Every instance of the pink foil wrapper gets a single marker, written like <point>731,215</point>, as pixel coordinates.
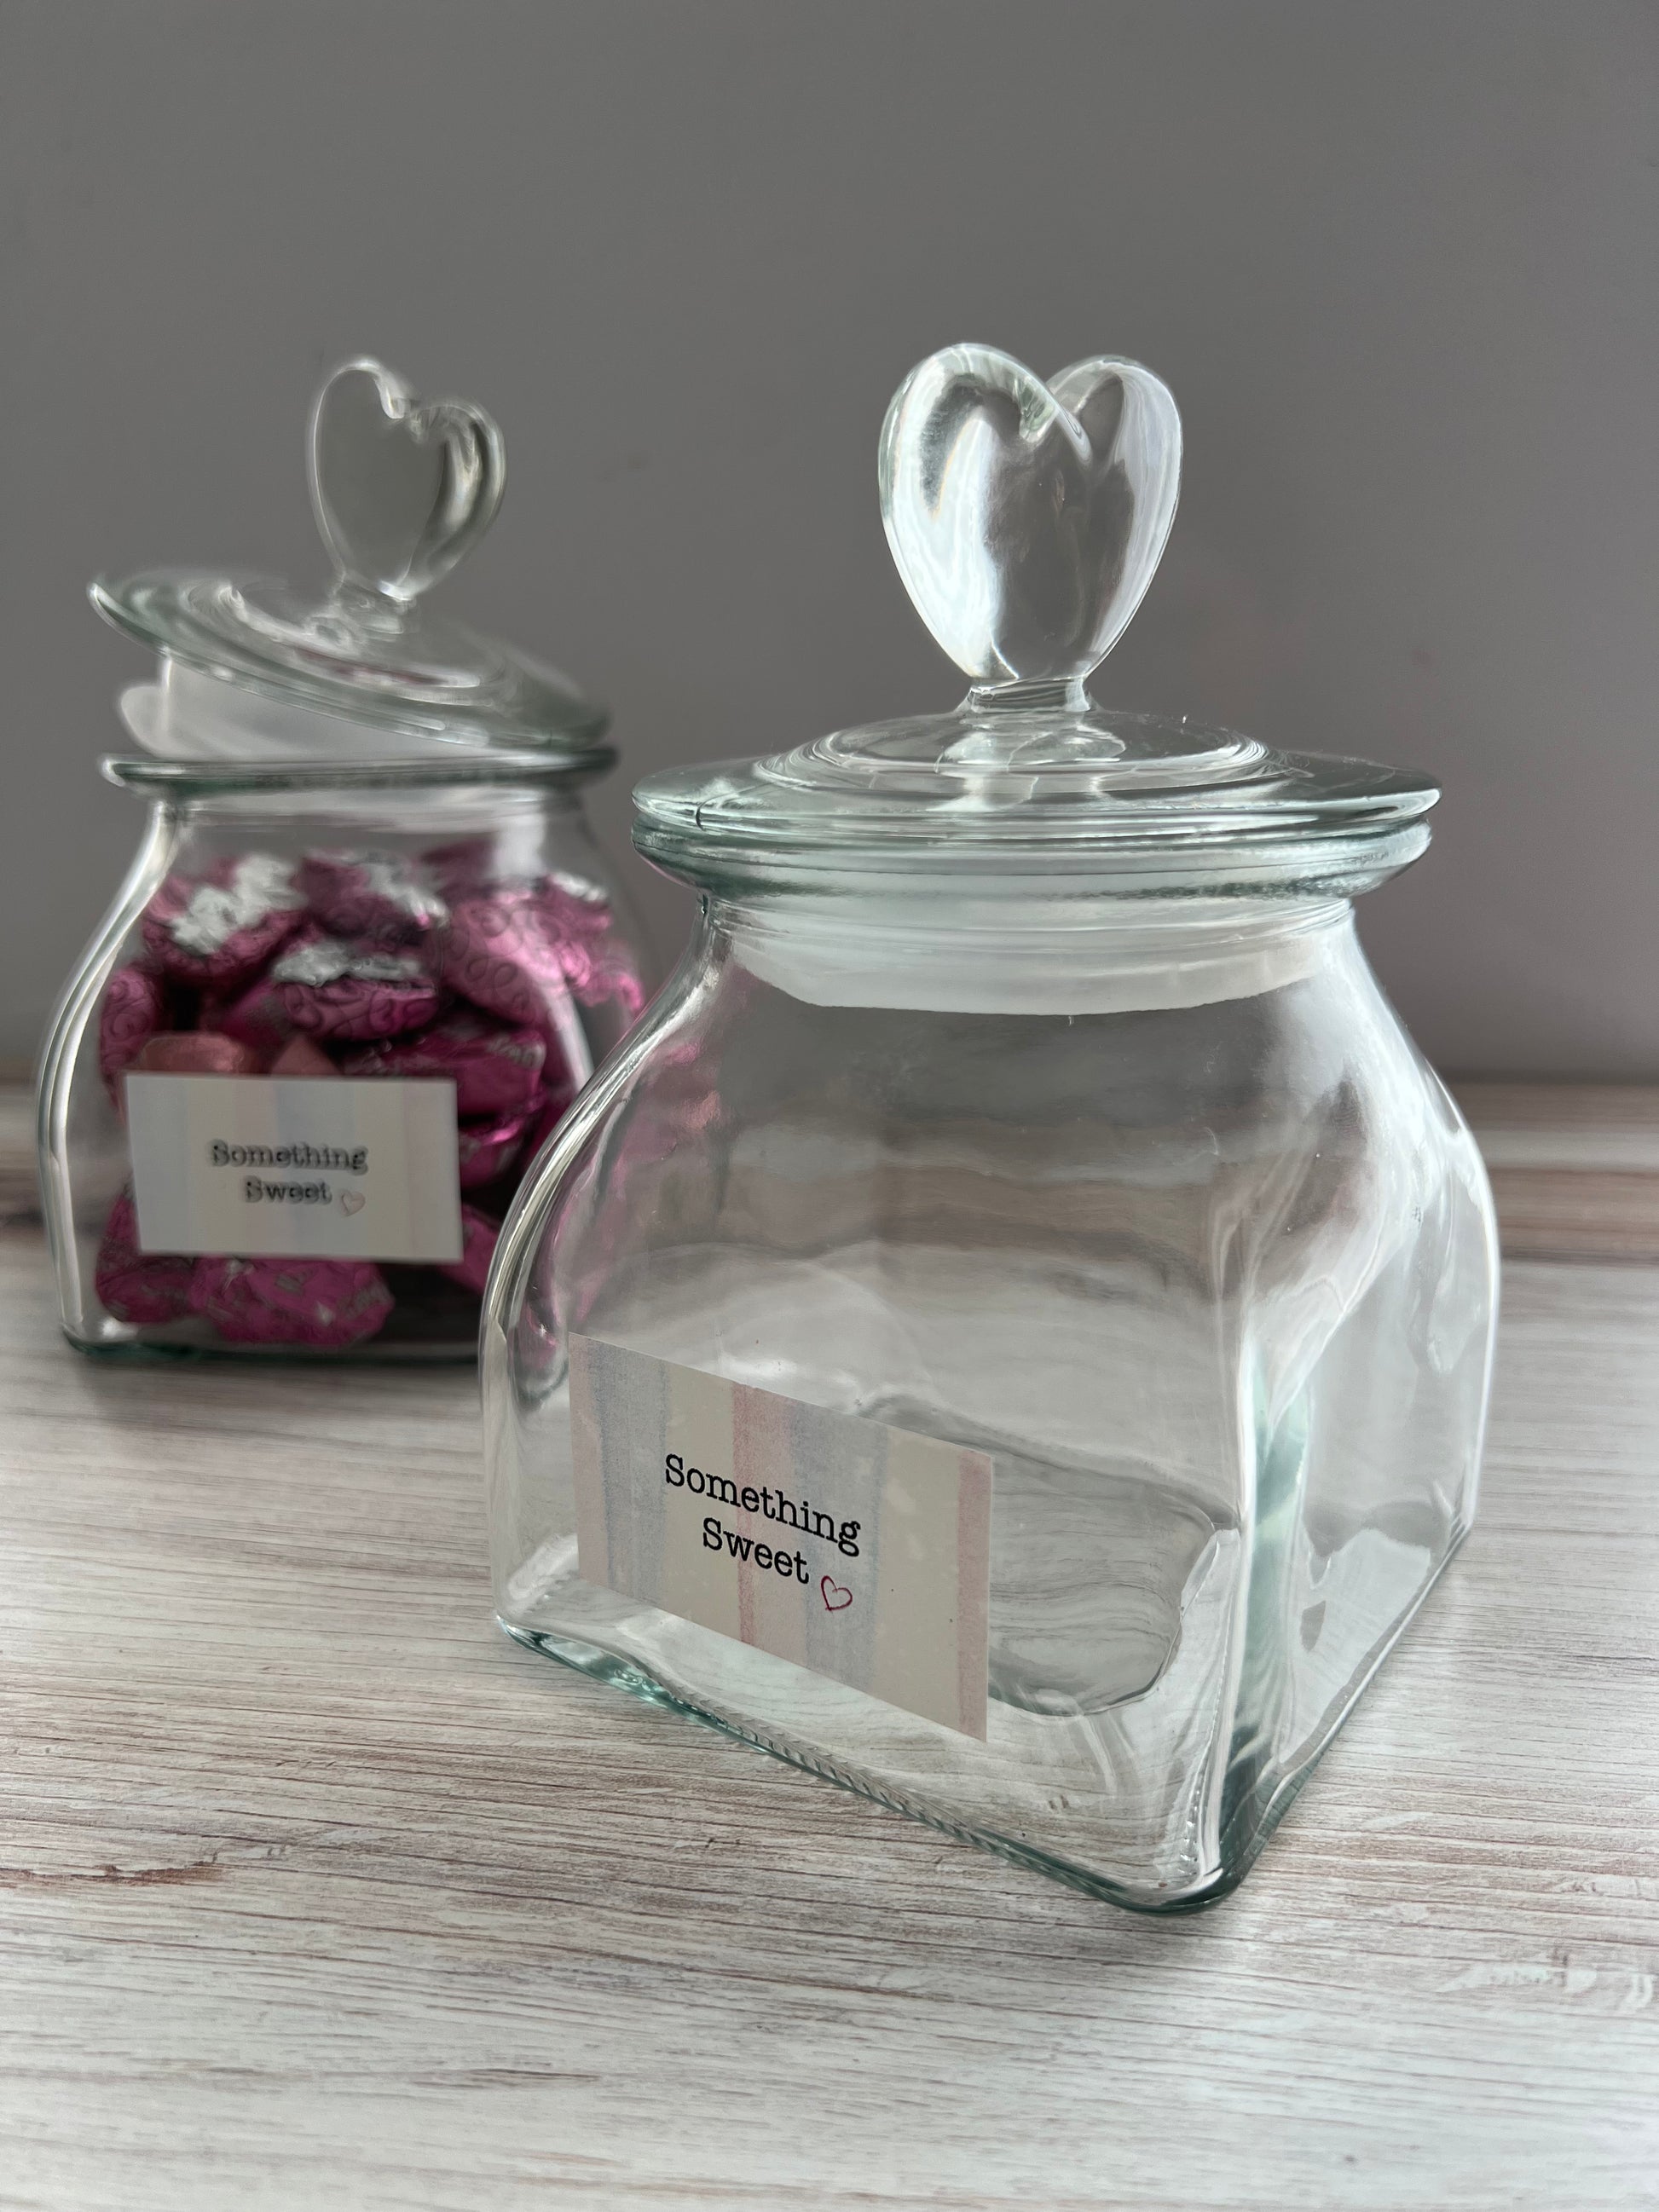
<point>299,1057</point>
<point>224,925</point>
<point>496,1071</point>
<point>597,964</point>
<point>258,1016</point>
<point>377,897</point>
<point>357,992</point>
<point>500,952</point>
<point>478,1235</point>
<point>484,1151</point>
<point>195,1052</point>
<point>138,1287</point>
<point>134,1008</point>
<point>524,953</point>
<point>325,1304</point>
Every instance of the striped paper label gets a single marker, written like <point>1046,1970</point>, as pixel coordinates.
<point>295,1168</point>
<point>859,1551</point>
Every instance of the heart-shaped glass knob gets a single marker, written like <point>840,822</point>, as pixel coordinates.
<point>402,488</point>
<point>1027,518</point>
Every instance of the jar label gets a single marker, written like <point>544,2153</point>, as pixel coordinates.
<point>294,1166</point>
<point>860,1551</point>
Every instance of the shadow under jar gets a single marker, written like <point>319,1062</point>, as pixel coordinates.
<point>1024,1173</point>
<point>369,952</point>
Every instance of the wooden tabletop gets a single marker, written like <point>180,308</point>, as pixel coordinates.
<point>315,1892</point>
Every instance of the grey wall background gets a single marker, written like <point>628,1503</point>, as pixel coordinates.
<point>1397,261</point>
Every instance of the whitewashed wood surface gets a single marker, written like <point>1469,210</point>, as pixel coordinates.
<point>316,1893</point>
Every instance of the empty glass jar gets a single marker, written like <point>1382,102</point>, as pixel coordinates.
<point>367,953</point>
<point>1011,1330</point>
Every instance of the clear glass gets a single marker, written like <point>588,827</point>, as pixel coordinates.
<point>401,489</point>
<point>350,880</point>
<point>1200,1252</point>
<point>1026,1090</point>
<point>367,859</point>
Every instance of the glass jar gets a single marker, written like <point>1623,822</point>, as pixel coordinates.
<point>1011,1330</point>
<point>368,951</point>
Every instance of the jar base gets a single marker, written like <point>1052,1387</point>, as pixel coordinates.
<point>282,1355</point>
<point>1254,1815</point>
<point>627,1674</point>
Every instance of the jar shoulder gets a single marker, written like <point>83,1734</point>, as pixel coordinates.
<point>1310,1096</point>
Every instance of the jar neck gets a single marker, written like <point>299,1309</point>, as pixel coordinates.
<point>512,813</point>
<point>953,954</point>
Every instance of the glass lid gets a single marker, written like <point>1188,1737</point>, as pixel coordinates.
<point>401,489</point>
<point>1027,521</point>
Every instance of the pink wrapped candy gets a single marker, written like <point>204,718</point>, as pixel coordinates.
<point>325,1304</point>
<point>333,989</point>
<point>195,1052</point>
<point>478,1235</point>
<point>487,1150</point>
<point>227,924</point>
<point>302,1057</point>
<point>134,1007</point>
<point>597,964</point>
<point>500,952</point>
<point>136,1286</point>
<point>375,897</point>
<point>258,1016</point>
<point>360,950</point>
<point>496,1071</point>
<point>523,953</point>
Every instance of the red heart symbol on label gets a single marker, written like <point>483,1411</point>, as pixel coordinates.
<point>834,1597</point>
<point>352,1201</point>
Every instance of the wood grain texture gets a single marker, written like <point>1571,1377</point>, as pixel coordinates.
<point>1575,1166</point>
<point>19,1187</point>
<point>316,1893</point>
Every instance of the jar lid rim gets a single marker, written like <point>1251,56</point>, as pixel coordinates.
<point>208,778</point>
<point>402,488</point>
<point>1085,793</point>
<point>440,683</point>
<point>1027,518</point>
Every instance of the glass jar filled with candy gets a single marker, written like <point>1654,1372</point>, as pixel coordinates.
<point>369,952</point>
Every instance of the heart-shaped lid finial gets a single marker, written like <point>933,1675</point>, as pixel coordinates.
<point>402,488</point>
<point>1027,518</point>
